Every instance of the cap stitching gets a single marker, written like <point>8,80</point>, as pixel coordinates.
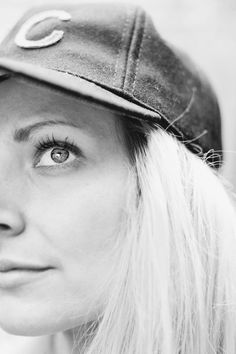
<point>139,54</point>
<point>128,59</point>
<point>121,43</point>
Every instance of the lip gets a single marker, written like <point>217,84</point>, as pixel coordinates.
<point>7,265</point>
<point>14,274</point>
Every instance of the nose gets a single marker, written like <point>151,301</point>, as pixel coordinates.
<point>11,222</point>
<point>12,192</point>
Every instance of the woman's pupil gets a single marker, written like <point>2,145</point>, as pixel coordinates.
<point>59,155</point>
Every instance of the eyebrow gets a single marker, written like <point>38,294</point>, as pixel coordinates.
<point>23,134</point>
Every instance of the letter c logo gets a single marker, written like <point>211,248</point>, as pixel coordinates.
<point>47,41</point>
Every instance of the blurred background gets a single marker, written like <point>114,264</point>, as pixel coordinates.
<point>205,29</point>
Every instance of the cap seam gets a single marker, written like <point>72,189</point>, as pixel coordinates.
<point>121,43</point>
<point>129,48</point>
<point>139,54</point>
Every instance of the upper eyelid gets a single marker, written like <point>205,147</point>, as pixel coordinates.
<point>50,142</point>
<point>24,134</point>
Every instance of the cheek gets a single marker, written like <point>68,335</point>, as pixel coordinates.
<point>77,229</point>
<point>81,223</point>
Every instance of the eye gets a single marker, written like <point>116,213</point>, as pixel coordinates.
<point>52,152</point>
<point>56,156</point>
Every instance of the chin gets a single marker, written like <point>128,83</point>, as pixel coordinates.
<point>39,320</point>
<point>34,321</point>
<point>36,325</point>
<point>24,330</point>
<point>33,328</point>
<point>29,326</point>
<point>24,314</point>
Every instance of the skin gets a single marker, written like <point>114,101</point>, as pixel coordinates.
<point>64,216</point>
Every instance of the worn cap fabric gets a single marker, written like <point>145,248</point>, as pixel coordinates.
<point>112,55</point>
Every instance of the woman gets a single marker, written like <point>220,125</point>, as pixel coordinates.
<point>117,233</point>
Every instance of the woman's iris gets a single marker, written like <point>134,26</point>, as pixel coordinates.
<point>59,155</point>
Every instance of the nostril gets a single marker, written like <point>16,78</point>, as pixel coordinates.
<point>4,227</point>
<point>12,222</point>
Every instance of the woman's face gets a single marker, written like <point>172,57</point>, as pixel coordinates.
<point>63,171</point>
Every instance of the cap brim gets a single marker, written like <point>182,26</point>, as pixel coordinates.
<point>76,85</point>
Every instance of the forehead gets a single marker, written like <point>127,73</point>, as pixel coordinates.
<point>22,101</point>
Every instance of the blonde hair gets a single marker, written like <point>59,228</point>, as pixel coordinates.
<point>173,284</point>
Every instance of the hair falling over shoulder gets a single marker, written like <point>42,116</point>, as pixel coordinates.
<point>173,288</point>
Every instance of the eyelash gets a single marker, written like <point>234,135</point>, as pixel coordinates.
<point>48,143</point>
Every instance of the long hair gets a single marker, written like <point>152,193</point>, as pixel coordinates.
<point>172,289</point>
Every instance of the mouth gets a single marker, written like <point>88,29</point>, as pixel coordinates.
<point>14,274</point>
<point>9,265</point>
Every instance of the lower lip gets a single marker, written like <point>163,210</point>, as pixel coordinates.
<point>18,277</point>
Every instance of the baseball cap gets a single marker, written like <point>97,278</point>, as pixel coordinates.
<point>112,55</point>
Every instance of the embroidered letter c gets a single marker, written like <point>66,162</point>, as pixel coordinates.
<point>47,41</point>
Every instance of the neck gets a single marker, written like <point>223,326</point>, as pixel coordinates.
<point>58,343</point>
<point>61,343</point>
